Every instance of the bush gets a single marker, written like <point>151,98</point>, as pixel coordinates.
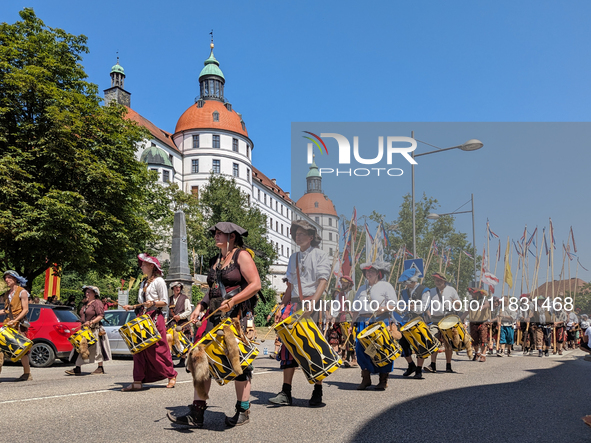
<point>264,308</point>
<point>196,295</point>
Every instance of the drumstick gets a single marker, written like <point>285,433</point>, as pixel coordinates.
<point>267,334</point>
<point>204,319</point>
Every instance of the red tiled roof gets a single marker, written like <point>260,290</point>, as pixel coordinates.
<point>561,287</point>
<point>308,204</point>
<point>163,136</point>
<point>202,118</point>
<point>259,177</point>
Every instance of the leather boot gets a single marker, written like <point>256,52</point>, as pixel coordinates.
<point>365,380</point>
<point>383,384</point>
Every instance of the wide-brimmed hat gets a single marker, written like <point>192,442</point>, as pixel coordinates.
<point>347,278</point>
<point>439,275</point>
<point>20,280</point>
<point>149,259</point>
<point>410,275</point>
<point>308,227</point>
<point>94,288</point>
<point>524,295</point>
<point>378,265</point>
<point>176,283</point>
<point>228,228</point>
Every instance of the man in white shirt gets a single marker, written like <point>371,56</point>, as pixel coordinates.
<point>443,296</point>
<point>307,276</point>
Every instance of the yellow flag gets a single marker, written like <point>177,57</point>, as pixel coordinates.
<point>508,275</point>
<point>131,282</point>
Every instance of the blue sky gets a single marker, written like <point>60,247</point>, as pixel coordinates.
<point>428,61</point>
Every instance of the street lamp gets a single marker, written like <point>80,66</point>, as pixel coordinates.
<point>434,216</point>
<point>470,145</point>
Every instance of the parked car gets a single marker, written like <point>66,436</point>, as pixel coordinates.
<point>112,321</point>
<point>50,328</point>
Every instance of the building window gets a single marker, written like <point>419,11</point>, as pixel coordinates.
<point>259,194</point>
<point>165,176</point>
<point>281,209</point>
<point>195,191</point>
<point>281,249</point>
<point>248,199</point>
<point>281,228</point>
<point>288,252</point>
<point>330,236</point>
<point>235,144</point>
<point>195,141</point>
<point>216,115</point>
<point>277,226</point>
<point>288,236</point>
<point>243,126</point>
<point>270,223</point>
<point>271,202</point>
<point>275,205</point>
<point>235,169</point>
<point>265,197</point>
<point>153,144</point>
<point>330,251</point>
<point>194,166</point>
<point>329,221</point>
<point>247,151</point>
<point>315,204</point>
<point>216,167</point>
<point>317,219</point>
<point>248,175</point>
<point>216,141</point>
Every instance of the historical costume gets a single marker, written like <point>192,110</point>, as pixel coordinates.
<point>155,362</point>
<point>234,282</point>
<point>479,316</point>
<point>16,307</point>
<point>179,310</point>
<point>416,298</point>
<point>542,320</point>
<point>342,321</point>
<point>372,304</point>
<point>506,318</point>
<point>91,314</point>
<point>307,276</point>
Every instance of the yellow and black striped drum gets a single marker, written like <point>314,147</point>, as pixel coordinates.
<point>140,333</point>
<point>183,346</point>
<point>451,326</point>
<point>345,325</point>
<point>13,344</point>
<point>77,337</point>
<point>307,345</point>
<point>379,344</point>
<point>220,367</point>
<point>420,338</point>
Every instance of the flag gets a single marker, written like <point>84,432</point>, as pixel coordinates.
<point>573,238</point>
<point>490,279</point>
<point>386,239</point>
<point>52,282</point>
<point>499,251</point>
<point>468,255</point>
<point>552,241</point>
<point>346,265</point>
<point>484,265</point>
<point>545,242</point>
<point>518,248</point>
<point>378,246</point>
<point>582,265</point>
<point>508,275</point>
<point>435,250</point>
<point>531,239</point>
<point>491,234</point>
<point>568,253</point>
<point>407,252</point>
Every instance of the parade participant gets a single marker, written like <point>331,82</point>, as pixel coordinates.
<point>180,305</point>
<point>559,330</point>
<point>307,276</point>
<point>586,341</point>
<point>375,297</point>
<point>493,326</point>
<point>523,325</point>
<point>572,329</point>
<point>479,317</point>
<point>416,298</point>
<point>542,321</point>
<point>155,362</point>
<point>16,307</point>
<point>585,323</point>
<point>233,280</point>
<point>344,296</point>
<point>273,355</point>
<point>91,314</point>
<point>446,295</point>
<point>506,318</point>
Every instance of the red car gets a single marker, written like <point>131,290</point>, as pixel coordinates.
<point>50,328</point>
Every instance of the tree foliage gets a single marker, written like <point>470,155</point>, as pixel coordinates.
<point>71,191</point>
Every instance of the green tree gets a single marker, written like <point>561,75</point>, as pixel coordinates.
<point>71,191</point>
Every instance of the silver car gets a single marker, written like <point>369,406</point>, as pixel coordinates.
<point>112,321</point>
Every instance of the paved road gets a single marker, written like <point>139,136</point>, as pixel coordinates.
<point>525,399</point>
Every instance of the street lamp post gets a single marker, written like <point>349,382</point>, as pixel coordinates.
<point>433,216</point>
<point>470,145</point>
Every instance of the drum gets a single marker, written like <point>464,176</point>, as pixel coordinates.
<point>308,346</point>
<point>220,367</point>
<point>379,344</point>
<point>76,338</point>
<point>184,344</point>
<point>13,344</point>
<point>139,333</point>
<point>451,326</point>
<point>421,340</point>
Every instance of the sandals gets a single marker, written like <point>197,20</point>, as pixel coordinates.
<point>135,386</point>
<point>171,383</point>
<point>482,358</point>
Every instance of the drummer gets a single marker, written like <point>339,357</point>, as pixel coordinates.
<point>446,295</point>
<point>307,276</point>
<point>155,362</point>
<point>180,306</point>
<point>234,280</point>
<point>342,295</point>
<point>419,295</point>
<point>91,314</point>
<point>374,290</point>
<point>16,307</point>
